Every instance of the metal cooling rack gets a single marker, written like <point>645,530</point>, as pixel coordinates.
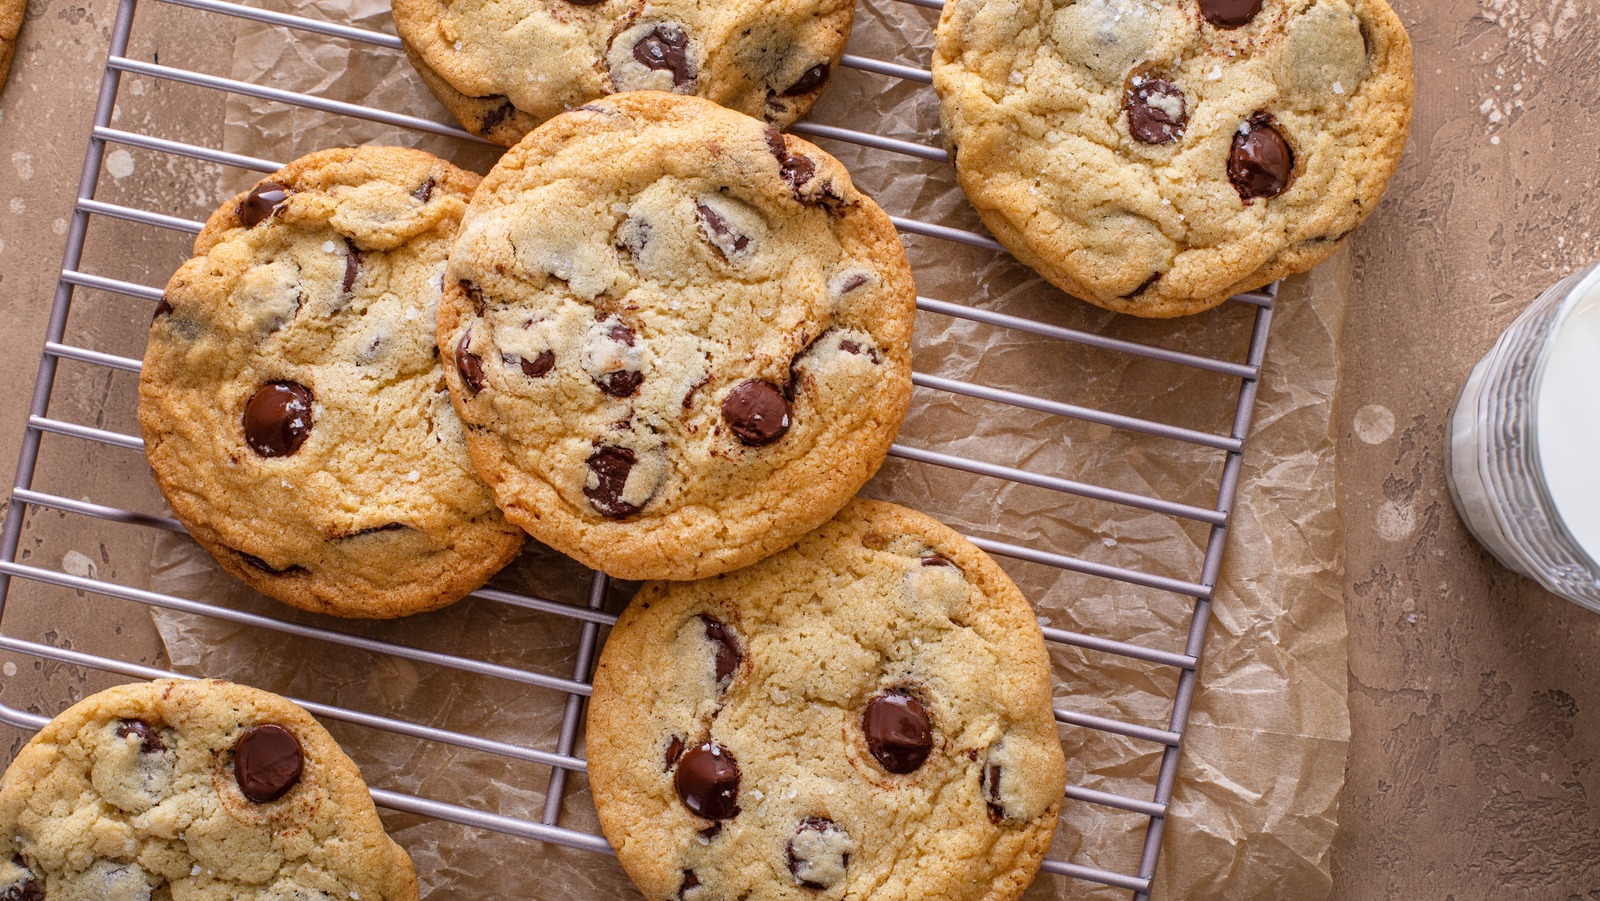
<point>592,616</point>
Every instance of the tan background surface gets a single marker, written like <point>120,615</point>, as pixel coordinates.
<point>1473,767</point>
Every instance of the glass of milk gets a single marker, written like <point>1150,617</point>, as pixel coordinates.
<point>1524,448</point>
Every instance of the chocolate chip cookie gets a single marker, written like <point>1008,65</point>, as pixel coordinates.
<point>1158,156</point>
<point>679,339</point>
<point>11,12</point>
<point>205,791</point>
<point>292,400</point>
<point>865,715</point>
<point>504,66</point>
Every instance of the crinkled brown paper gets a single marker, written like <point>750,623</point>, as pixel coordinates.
<point>1255,807</point>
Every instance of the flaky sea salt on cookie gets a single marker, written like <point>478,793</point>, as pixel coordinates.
<point>865,715</point>
<point>1158,156</point>
<point>679,339</point>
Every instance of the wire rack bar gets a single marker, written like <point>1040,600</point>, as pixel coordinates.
<point>592,615</point>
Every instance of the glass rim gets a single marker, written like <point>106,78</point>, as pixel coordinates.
<point>1584,281</point>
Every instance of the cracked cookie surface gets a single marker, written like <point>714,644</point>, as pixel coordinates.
<point>292,400</point>
<point>203,791</point>
<point>1155,157</point>
<point>504,66</point>
<point>865,715</point>
<point>680,339</point>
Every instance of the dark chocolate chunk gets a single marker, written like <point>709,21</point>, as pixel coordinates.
<point>387,527</point>
<point>277,420</point>
<point>898,731</point>
<point>622,383</point>
<point>674,751</point>
<point>666,48</point>
<point>267,761</point>
<point>708,782</point>
<point>27,889</point>
<point>262,201</point>
<point>149,738</point>
<point>1144,286</point>
<point>726,644</point>
<point>1158,113</point>
<point>424,192</point>
<point>757,412</point>
<point>813,79</point>
<point>1261,162</point>
<point>163,308</point>
<point>690,880</point>
<point>711,832</point>
<point>776,143</point>
<point>990,783</point>
<point>852,281</point>
<point>268,568</point>
<point>352,265</point>
<point>935,560</point>
<point>536,368</point>
<point>797,170</point>
<point>719,231</point>
<point>804,867</point>
<point>469,365</point>
<point>1229,13</point>
<point>611,466</point>
<point>493,118</point>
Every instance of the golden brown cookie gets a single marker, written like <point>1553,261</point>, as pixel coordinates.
<point>204,791</point>
<point>292,400</point>
<point>865,715</point>
<point>680,339</point>
<point>504,66</point>
<point>11,13</point>
<point>1158,156</point>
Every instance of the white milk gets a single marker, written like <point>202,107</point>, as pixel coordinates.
<point>1568,420</point>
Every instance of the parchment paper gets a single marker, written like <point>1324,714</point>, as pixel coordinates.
<point>1255,806</point>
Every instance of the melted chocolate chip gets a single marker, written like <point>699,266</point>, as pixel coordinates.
<point>149,739</point>
<point>469,365</point>
<point>493,118</point>
<point>757,412</point>
<point>267,761</point>
<point>935,560</point>
<point>352,265</point>
<point>586,2</point>
<point>674,751</point>
<point>611,466</point>
<point>1229,13</point>
<point>720,231</point>
<point>854,348</point>
<point>1157,111</point>
<point>852,281</point>
<point>711,832</point>
<point>1144,286</point>
<point>708,782</point>
<point>622,383</point>
<point>26,890</point>
<point>797,170</point>
<point>690,880</point>
<point>262,201</point>
<point>424,193</point>
<point>726,643</point>
<point>899,733</point>
<point>776,143</point>
<point>806,870</point>
<point>163,308</point>
<point>277,420</point>
<point>666,48</point>
<point>810,81</point>
<point>536,368</point>
<point>1261,162</point>
<point>268,568</point>
<point>990,784</point>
